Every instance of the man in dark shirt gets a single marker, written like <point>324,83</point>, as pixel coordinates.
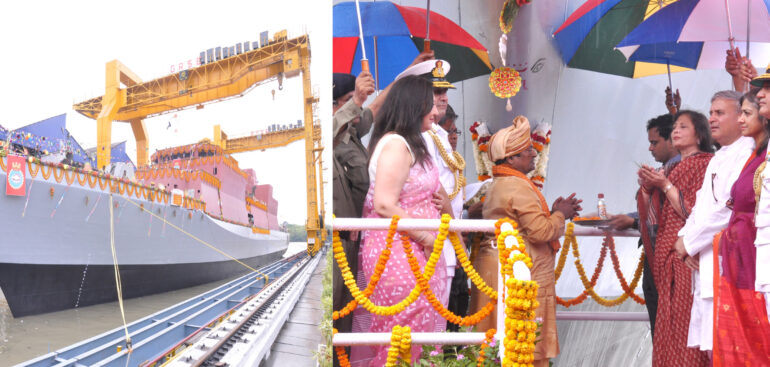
<point>662,149</point>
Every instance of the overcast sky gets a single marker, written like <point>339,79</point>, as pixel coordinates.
<point>54,55</point>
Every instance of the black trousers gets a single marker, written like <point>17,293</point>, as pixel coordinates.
<point>650,294</point>
<point>459,298</point>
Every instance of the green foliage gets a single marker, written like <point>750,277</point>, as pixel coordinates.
<point>456,356</point>
<point>325,357</point>
<point>297,233</point>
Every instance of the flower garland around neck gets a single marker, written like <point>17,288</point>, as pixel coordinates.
<point>520,301</point>
<point>480,137</point>
<point>363,299</point>
<point>400,345</point>
<point>456,163</point>
<point>488,341</point>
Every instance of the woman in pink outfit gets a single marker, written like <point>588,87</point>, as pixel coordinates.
<point>403,183</point>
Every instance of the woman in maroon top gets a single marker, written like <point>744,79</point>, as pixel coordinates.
<point>741,329</point>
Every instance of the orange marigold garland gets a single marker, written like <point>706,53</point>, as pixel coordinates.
<point>488,340</point>
<point>589,285</point>
<point>422,282</point>
<point>342,357</point>
<point>379,268</point>
<point>629,290</point>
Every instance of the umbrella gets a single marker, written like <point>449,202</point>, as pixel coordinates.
<point>394,35</point>
<point>707,27</point>
<point>587,39</point>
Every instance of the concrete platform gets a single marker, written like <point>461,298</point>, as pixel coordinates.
<point>604,343</point>
<point>300,336</point>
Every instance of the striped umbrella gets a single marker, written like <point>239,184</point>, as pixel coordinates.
<point>394,35</point>
<point>587,39</point>
<point>702,30</point>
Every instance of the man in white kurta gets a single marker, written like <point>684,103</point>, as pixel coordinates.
<point>710,213</point>
<point>762,221</point>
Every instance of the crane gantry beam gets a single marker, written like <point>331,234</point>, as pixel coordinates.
<point>212,82</point>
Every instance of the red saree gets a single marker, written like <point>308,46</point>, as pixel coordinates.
<point>742,331</point>
<point>672,277</point>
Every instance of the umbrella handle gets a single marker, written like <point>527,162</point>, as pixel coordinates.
<point>364,65</point>
<point>426,45</point>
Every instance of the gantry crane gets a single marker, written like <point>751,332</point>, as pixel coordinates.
<point>212,82</point>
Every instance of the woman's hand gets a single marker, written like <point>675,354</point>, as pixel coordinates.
<point>652,178</point>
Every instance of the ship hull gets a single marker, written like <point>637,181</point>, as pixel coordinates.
<point>56,248</point>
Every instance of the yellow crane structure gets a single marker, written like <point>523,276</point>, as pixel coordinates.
<point>212,82</point>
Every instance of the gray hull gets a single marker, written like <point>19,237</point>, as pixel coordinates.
<point>56,253</point>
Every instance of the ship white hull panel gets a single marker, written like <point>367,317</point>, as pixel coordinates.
<point>57,254</point>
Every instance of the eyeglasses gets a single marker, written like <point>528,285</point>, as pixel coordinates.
<point>455,131</point>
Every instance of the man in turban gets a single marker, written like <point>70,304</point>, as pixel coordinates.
<point>515,196</point>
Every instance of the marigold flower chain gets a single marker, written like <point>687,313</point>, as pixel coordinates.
<point>364,300</point>
<point>400,345</point>
<point>608,242</point>
<point>339,255</point>
<point>520,303</point>
<point>469,270</point>
<point>488,338</point>
<point>422,282</point>
<point>341,355</point>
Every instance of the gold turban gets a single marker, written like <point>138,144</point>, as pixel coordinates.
<point>511,140</point>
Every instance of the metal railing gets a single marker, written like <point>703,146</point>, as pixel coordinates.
<point>468,338</point>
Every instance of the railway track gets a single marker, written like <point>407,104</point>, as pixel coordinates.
<point>162,338</point>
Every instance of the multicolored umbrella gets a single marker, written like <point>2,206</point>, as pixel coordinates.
<point>588,37</point>
<point>695,34</point>
<point>398,33</point>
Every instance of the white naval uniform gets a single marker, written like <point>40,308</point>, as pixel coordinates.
<point>707,218</point>
<point>447,178</point>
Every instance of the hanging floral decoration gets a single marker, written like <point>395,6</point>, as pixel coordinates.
<point>541,140</point>
<point>480,136</point>
<point>504,82</point>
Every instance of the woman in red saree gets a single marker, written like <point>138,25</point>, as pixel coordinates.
<point>742,331</point>
<point>692,137</point>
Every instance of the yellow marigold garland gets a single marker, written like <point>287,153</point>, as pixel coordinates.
<point>520,301</point>
<point>379,268</point>
<point>400,345</point>
<point>422,282</point>
<point>430,267</point>
<point>570,240</point>
<point>469,270</point>
<point>456,163</point>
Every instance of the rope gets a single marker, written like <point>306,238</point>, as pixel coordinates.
<point>199,240</point>
<point>118,283</point>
